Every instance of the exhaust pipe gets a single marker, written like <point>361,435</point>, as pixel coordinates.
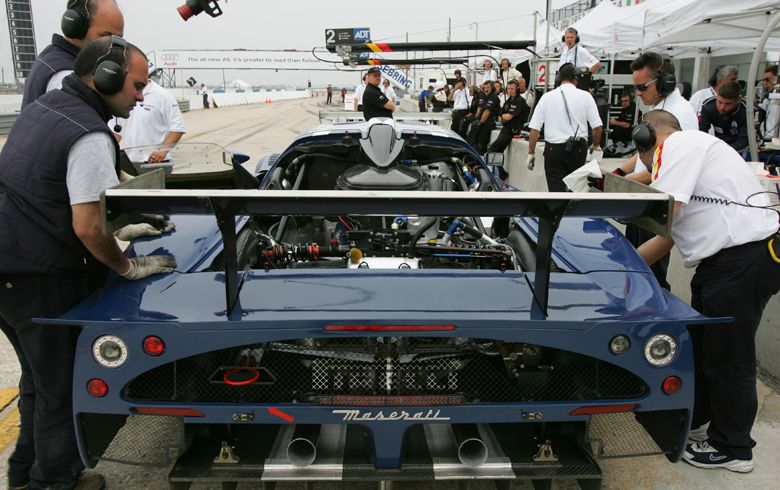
<point>471,450</point>
<point>302,450</point>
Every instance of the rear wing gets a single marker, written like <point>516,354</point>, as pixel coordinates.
<point>137,196</point>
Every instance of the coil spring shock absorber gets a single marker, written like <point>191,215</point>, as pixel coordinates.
<point>287,253</point>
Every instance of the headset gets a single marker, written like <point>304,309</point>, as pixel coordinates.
<point>643,136</point>
<point>573,30</point>
<point>108,75</point>
<point>666,81</point>
<point>75,20</point>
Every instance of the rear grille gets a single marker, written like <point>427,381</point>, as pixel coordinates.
<point>476,370</point>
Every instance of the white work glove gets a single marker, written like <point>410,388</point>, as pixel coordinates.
<point>530,161</point>
<point>149,265</point>
<point>131,232</point>
<point>596,153</point>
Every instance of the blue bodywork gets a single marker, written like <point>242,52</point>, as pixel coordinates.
<point>600,289</point>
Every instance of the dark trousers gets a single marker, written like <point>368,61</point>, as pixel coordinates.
<point>621,134</point>
<point>205,101</point>
<point>458,116</point>
<point>421,105</point>
<point>46,455</point>
<point>480,136</point>
<point>637,236</point>
<point>735,282</point>
<point>329,99</point>
<point>558,163</point>
<point>504,138</point>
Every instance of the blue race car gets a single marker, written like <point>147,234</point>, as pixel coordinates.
<point>372,304</point>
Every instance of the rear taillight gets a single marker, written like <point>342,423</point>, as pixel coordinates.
<point>630,407</point>
<point>97,388</point>
<point>174,412</point>
<point>154,346</point>
<point>671,385</point>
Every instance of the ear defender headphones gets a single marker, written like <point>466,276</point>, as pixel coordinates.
<point>666,80</point>
<point>573,30</point>
<point>643,136</point>
<point>108,75</point>
<point>75,20</point>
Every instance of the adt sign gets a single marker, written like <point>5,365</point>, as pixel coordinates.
<point>362,34</point>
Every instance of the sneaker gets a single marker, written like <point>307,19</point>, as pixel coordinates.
<point>699,434</point>
<point>702,455</point>
<point>90,480</point>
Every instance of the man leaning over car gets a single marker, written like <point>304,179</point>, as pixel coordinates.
<point>59,157</point>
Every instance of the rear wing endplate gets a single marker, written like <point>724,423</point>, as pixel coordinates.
<point>138,196</point>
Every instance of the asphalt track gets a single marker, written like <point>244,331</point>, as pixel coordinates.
<point>268,128</point>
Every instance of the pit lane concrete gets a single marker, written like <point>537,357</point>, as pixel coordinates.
<point>268,128</point>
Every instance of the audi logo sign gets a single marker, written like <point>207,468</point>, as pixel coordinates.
<point>169,57</point>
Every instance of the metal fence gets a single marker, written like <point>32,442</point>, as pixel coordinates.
<point>6,121</point>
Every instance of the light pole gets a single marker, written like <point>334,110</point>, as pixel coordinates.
<point>476,24</point>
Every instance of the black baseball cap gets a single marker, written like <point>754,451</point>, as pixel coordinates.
<point>373,70</point>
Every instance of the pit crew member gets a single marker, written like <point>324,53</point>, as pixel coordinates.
<point>375,102</point>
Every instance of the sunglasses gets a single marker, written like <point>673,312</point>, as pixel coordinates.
<point>769,80</point>
<point>644,86</point>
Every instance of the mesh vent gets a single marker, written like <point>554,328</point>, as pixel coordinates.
<point>477,370</point>
<point>136,439</point>
<point>634,434</point>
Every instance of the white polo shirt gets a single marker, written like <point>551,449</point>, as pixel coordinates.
<point>578,56</point>
<point>151,120</point>
<point>681,109</point>
<point>697,99</point>
<point>550,112</point>
<point>694,163</point>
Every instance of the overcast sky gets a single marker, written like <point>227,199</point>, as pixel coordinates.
<point>300,24</point>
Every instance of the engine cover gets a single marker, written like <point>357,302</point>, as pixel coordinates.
<point>369,178</point>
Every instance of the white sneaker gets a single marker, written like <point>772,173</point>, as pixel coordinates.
<point>702,455</point>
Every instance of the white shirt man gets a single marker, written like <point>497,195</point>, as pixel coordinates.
<point>723,75</point>
<point>681,109</point>
<point>575,54</point>
<point>551,112</point>
<point>155,121</point>
<point>736,275</point>
<point>565,114</point>
<point>461,99</point>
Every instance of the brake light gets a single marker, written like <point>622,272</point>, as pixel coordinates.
<point>175,412</point>
<point>97,388</point>
<point>154,346</point>
<point>391,401</point>
<point>605,409</point>
<point>671,385</point>
<point>390,328</point>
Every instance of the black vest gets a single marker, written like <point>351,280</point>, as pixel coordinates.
<point>59,56</point>
<point>36,231</point>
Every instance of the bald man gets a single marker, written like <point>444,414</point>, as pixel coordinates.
<point>103,18</point>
